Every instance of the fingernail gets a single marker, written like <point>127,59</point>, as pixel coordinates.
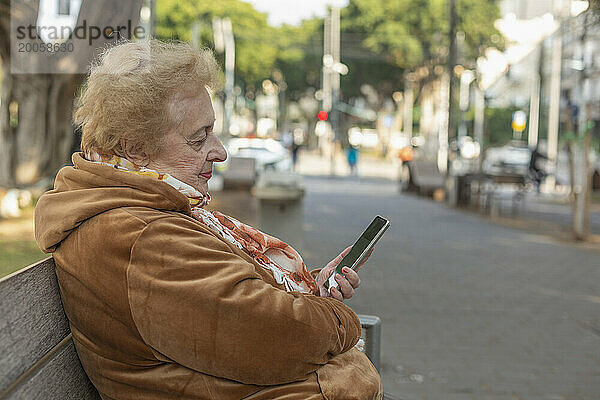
<point>346,269</point>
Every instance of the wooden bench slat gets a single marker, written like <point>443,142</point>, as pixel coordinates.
<point>32,319</point>
<point>426,175</point>
<point>61,377</point>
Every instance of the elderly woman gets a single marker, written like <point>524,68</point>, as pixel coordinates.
<point>165,299</point>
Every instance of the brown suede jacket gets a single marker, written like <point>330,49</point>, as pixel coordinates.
<point>161,307</point>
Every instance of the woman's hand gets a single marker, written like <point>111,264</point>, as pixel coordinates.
<point>346,282</point>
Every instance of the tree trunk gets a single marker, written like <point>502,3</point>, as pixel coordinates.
<point>581,211</point>
<point>41,140</point>
<point>7,134</point>
<point>571,173</point>
<point>38,139</point>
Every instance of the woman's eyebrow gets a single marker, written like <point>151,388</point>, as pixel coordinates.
<point>200,131</point>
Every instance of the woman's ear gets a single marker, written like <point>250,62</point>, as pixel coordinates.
<point>134,152</point>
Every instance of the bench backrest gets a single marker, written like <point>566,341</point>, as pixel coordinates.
<point>426,174</point>
<point>37,356</point>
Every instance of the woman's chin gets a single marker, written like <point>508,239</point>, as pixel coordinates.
<point>202,187</point>
<point>200,184</point>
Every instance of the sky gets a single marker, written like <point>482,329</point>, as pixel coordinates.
<point>293,11</point>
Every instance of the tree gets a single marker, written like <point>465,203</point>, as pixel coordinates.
<point>299,55</point>
<point>383,39</point>
<point>254,38</point>
<point>36,132</point>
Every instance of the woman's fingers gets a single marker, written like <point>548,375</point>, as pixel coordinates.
<point>344,286</point>
<point>346,283</point>
<point>339,258</point>
<point>352,277</point>
<point>336,294</point>
<point>326,272</point>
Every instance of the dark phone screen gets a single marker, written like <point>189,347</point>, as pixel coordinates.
<point>362,243</point>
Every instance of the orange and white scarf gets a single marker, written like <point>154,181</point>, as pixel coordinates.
<point>268,251</point>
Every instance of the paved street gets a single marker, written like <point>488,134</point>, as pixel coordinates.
<point>470,309</point>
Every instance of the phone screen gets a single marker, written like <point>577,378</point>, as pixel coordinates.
<point>363,243</point>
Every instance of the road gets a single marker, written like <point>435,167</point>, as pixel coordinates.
<point>470,309</point>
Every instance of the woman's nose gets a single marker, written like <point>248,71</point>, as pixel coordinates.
<point>218,152</point>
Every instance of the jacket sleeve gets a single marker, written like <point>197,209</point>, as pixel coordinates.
<point>201,305</point>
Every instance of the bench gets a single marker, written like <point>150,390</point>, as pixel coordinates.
<point>38,359</point>
<point>490,191</point>
<point>37,356</point>
<point>424,177</point>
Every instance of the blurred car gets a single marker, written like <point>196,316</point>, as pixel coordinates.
<point>512,158</point>
<point>267,153</point>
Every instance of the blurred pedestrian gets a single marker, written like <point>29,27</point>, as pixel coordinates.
<point>352,158</point>
<point>537,171</point>
<point>295,150</point>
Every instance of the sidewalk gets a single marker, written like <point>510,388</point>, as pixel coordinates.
<point>551,215</point>
<point>369,166</point>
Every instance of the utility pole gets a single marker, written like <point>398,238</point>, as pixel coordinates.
<point>479,120</point>
<point>152,23</point>
<point>446,121</point>
<point>327,84</point>
<point>408,105</point>
<point>466,78</point>
<point>147,18</point>
<point>332,69</point>
<point>534,103</point>
<point>479,116</point>
<point>555,79</point>
<point>452,59</point>
<point>335,92</point>
<point>442,157</point>
<point>224,40</point>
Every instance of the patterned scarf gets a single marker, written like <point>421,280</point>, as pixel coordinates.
<point>268,251</point>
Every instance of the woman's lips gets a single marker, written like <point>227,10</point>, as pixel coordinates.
<point>206,175</point>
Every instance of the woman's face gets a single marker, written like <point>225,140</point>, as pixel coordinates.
<point>191,147</point>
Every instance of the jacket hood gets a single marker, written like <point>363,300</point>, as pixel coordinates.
<point>87,189</point>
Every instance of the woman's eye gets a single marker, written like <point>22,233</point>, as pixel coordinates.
<point>197,143</point>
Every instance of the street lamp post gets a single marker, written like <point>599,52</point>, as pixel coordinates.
<point>332,69</point>
<point>224,40</point>
<point>467,76</point>
<point>408,104</point>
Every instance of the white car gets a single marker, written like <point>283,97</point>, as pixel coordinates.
<point>508,159</point>
<point>267,153</point>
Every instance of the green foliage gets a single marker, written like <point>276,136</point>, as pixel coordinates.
<point>255,49</point>
<point>476,19</point>
<point>389,37</point>
<point>405,32</point>
<point>380,39</point>
<point>497,127</point>
<point>299,55</point>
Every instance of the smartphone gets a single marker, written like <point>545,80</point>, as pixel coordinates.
<point>364,244</point>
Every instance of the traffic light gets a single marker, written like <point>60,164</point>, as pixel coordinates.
<point>322,115</point>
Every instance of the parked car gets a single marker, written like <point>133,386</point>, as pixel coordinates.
<point>249,157</point>
<point>509,159</point>
<point>267,153</point>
